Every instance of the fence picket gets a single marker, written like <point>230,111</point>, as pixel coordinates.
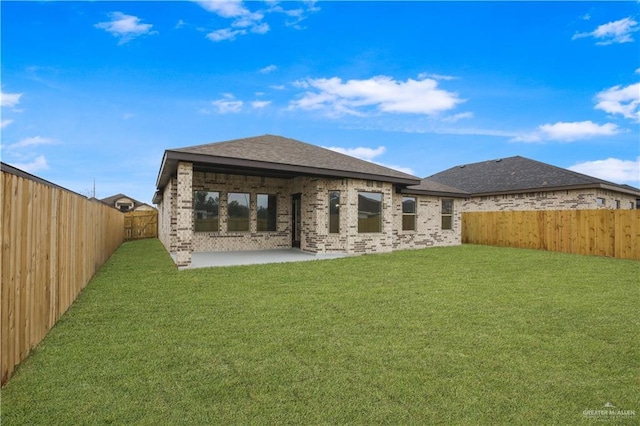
<point>140,224</point>
<point>53,242</point>
<point>613,233</point>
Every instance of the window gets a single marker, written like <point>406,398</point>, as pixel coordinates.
<point>617,202</point>
<point>447,214</point>
<point>205,211</point>
<point>369,212</point>
<point>238,211</point>
<point>124,204</point>
<point>408,213</point>
<point>267,213</point>
<point>334,212</point>
<point>600,202</point>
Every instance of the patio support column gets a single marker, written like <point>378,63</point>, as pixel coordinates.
<point>184,212</point>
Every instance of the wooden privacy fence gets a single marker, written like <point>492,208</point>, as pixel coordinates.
<point>140,224</point>
<point>614,233</point>
<point>53,242</point>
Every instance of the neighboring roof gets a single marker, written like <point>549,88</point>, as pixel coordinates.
<point>431,187</point>
<point>277,156</point>
<point>111,201</point>
<point>519,174</point>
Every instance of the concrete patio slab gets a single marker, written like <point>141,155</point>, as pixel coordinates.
<point>252,257</point>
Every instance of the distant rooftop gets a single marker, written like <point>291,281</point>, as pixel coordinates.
<point>111,201</point>
<point>519,174</point>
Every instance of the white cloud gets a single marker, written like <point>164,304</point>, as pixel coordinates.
<point>227,105</point>
<point>456,117</point>
<point>637,70</point>
<point>9,99</point>
<point>361,152</point>
<point>225,8</point>
<point>407,170</point>
<point>577,130</point>
<point>127,27</point>
<point>243,19</point>
<point>436,76</point>
<point>260,104</point>
<point>568,132</point>
<point>368,154</point>
<point>33,141</point>
<point>261,28</point>
<point>621,100</point>
<point>248,20</point>
<point>297,15</point>
<point>5,123</point>
<point>38,164</point>
<point>611,169</point>
<point>382,93</point>
<point>225,34</point>
<point>612,32</point>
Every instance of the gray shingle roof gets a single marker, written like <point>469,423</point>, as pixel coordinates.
<point>111,201</point>
<point>429,186</point>
<point>277,156</point>
<point>518,174</point>
<point>281,150</point>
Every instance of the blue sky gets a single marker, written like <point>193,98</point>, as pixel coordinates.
<point>98,90</point>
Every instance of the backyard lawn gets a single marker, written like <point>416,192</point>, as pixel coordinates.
<point>457,335</point>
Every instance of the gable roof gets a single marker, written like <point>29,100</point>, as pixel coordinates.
<point>111,201</point>
<point>277,156</point>
<point>519,174</point>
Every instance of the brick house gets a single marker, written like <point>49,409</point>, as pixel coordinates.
<point>125,203</point>
<point>518,183</point>
<point>271,192</point>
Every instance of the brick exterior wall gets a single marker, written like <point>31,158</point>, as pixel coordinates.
<point>176,227</point>
<point>167,217</point>
<point>184,213</point>
<point>428,232</point>
<point>315,202</point>
<point>223,240</point>
<point>551,200</point>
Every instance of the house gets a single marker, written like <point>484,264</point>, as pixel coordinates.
<point>271,192</point>
<point>126,204</point>
<point>518,183</point>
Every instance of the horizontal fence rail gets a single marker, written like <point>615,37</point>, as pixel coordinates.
<point>613,233</point>
<point>53,242</point>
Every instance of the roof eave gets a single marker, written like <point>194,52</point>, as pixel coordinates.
<point>434,193</point>
<point>171,158</point>
<point>159,179</point>
<point>558,188</point>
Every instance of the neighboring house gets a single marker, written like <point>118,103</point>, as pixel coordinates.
<point>270,192</point>
<point>518,183</point>
<point>126,204</point>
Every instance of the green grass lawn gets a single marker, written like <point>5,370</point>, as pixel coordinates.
<point>458,335</point>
